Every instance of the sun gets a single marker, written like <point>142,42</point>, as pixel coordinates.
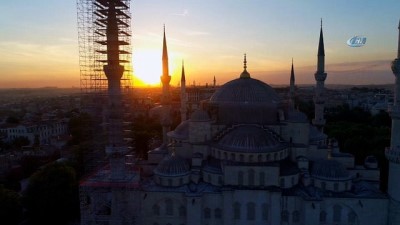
<point>147,66</point>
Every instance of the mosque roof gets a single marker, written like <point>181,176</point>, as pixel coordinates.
<point>250,139</point>
<point>245,90</point>
<point>199,116</point>
<point>181,132</point>
<point>331,170</point>
<point>296,116</point>
<point>172,165</point>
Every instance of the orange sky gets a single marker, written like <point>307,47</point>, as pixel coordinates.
<point>39,42</point>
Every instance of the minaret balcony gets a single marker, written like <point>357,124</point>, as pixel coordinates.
<point>320,76</point>
<point>393,154</point>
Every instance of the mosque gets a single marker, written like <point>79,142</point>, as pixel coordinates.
<point>246,157</point>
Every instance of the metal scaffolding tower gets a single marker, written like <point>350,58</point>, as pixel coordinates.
<point>92,15</point>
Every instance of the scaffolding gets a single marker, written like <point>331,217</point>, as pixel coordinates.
<point>92,15</point>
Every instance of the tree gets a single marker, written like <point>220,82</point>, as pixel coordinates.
<point>10,207</point>
<point>51,196</point>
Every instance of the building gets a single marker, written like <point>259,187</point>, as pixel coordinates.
<point>244,157</point>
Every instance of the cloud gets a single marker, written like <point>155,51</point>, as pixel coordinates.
<point>184,13</point>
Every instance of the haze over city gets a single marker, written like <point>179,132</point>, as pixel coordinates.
<point>39,42</point>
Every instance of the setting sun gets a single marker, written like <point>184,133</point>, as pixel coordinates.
<point>147,66</point>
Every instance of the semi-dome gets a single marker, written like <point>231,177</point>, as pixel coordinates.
<point>172,165</point>
<point>330,170</point>
<point>250,139</point>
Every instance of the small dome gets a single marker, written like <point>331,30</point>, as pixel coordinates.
<point>297,116</point>
<point>181,132</point>
<point>200,116</point>
<point>172,165</point>
<point>329,170</point>
<point>250,139</point>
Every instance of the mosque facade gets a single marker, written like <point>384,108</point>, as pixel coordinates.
<point>246,157</point>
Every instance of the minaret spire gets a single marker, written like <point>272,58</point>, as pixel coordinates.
<point>183,94</point>
<point>214,82</point>
<point>320,76</point>
<point>292,87</point>
<point>393,152</point>
<point>166,95</point>
<point>398,43</point>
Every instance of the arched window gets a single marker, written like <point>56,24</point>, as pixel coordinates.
<point>322,217</point>
<point>232,157</point>
<point>251,211</point>
<point>262,178</point>
<point>180,181</point>
<point>264,209</point>
<point>292,180</point>
<point>182,211</point>
<point>296,216</point>
<point>352,217</point>
<point>251,177</point>
<point>169,207</point>
<point>285,216</point>
<point>207,213</point>
<point>337,213</point>
<point>156,210</point>
<point>236,211</point>
<point>225,155</point>
<point>169,182</point>
<point>209,178</point>
<point>275,156</point>
<point>241,157</point>
<point>220,180</point>
<point>259,158</point>
<point>268,157</point>
<point>218,213</point>
<point>240,178</point>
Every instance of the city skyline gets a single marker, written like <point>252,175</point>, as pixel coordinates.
<point>39,43</point>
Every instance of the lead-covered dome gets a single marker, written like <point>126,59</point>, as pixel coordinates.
<point>172,165</point>
<point>250,139</point>
<point>330,170</point>
<point>245,90</point>
<point>245,100</point>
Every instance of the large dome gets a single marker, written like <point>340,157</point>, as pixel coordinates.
<point>245,90</point>
<point>245,100</point>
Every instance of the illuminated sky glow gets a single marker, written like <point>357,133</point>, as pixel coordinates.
<point>39,44</point>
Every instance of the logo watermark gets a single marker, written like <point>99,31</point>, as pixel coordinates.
<point>357,41</point>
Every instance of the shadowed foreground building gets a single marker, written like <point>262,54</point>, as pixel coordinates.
<point>247,158</point>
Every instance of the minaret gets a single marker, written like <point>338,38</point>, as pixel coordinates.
<point>393,152</point>
<point>183,94</point>
<point>115,149</point>
<point>292,87</point>
<point>166,95</point>
<point>320,76</point>
<point>214,82</point>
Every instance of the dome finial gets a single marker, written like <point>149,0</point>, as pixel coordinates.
<point>245,62</point>
<point>245,74</point>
